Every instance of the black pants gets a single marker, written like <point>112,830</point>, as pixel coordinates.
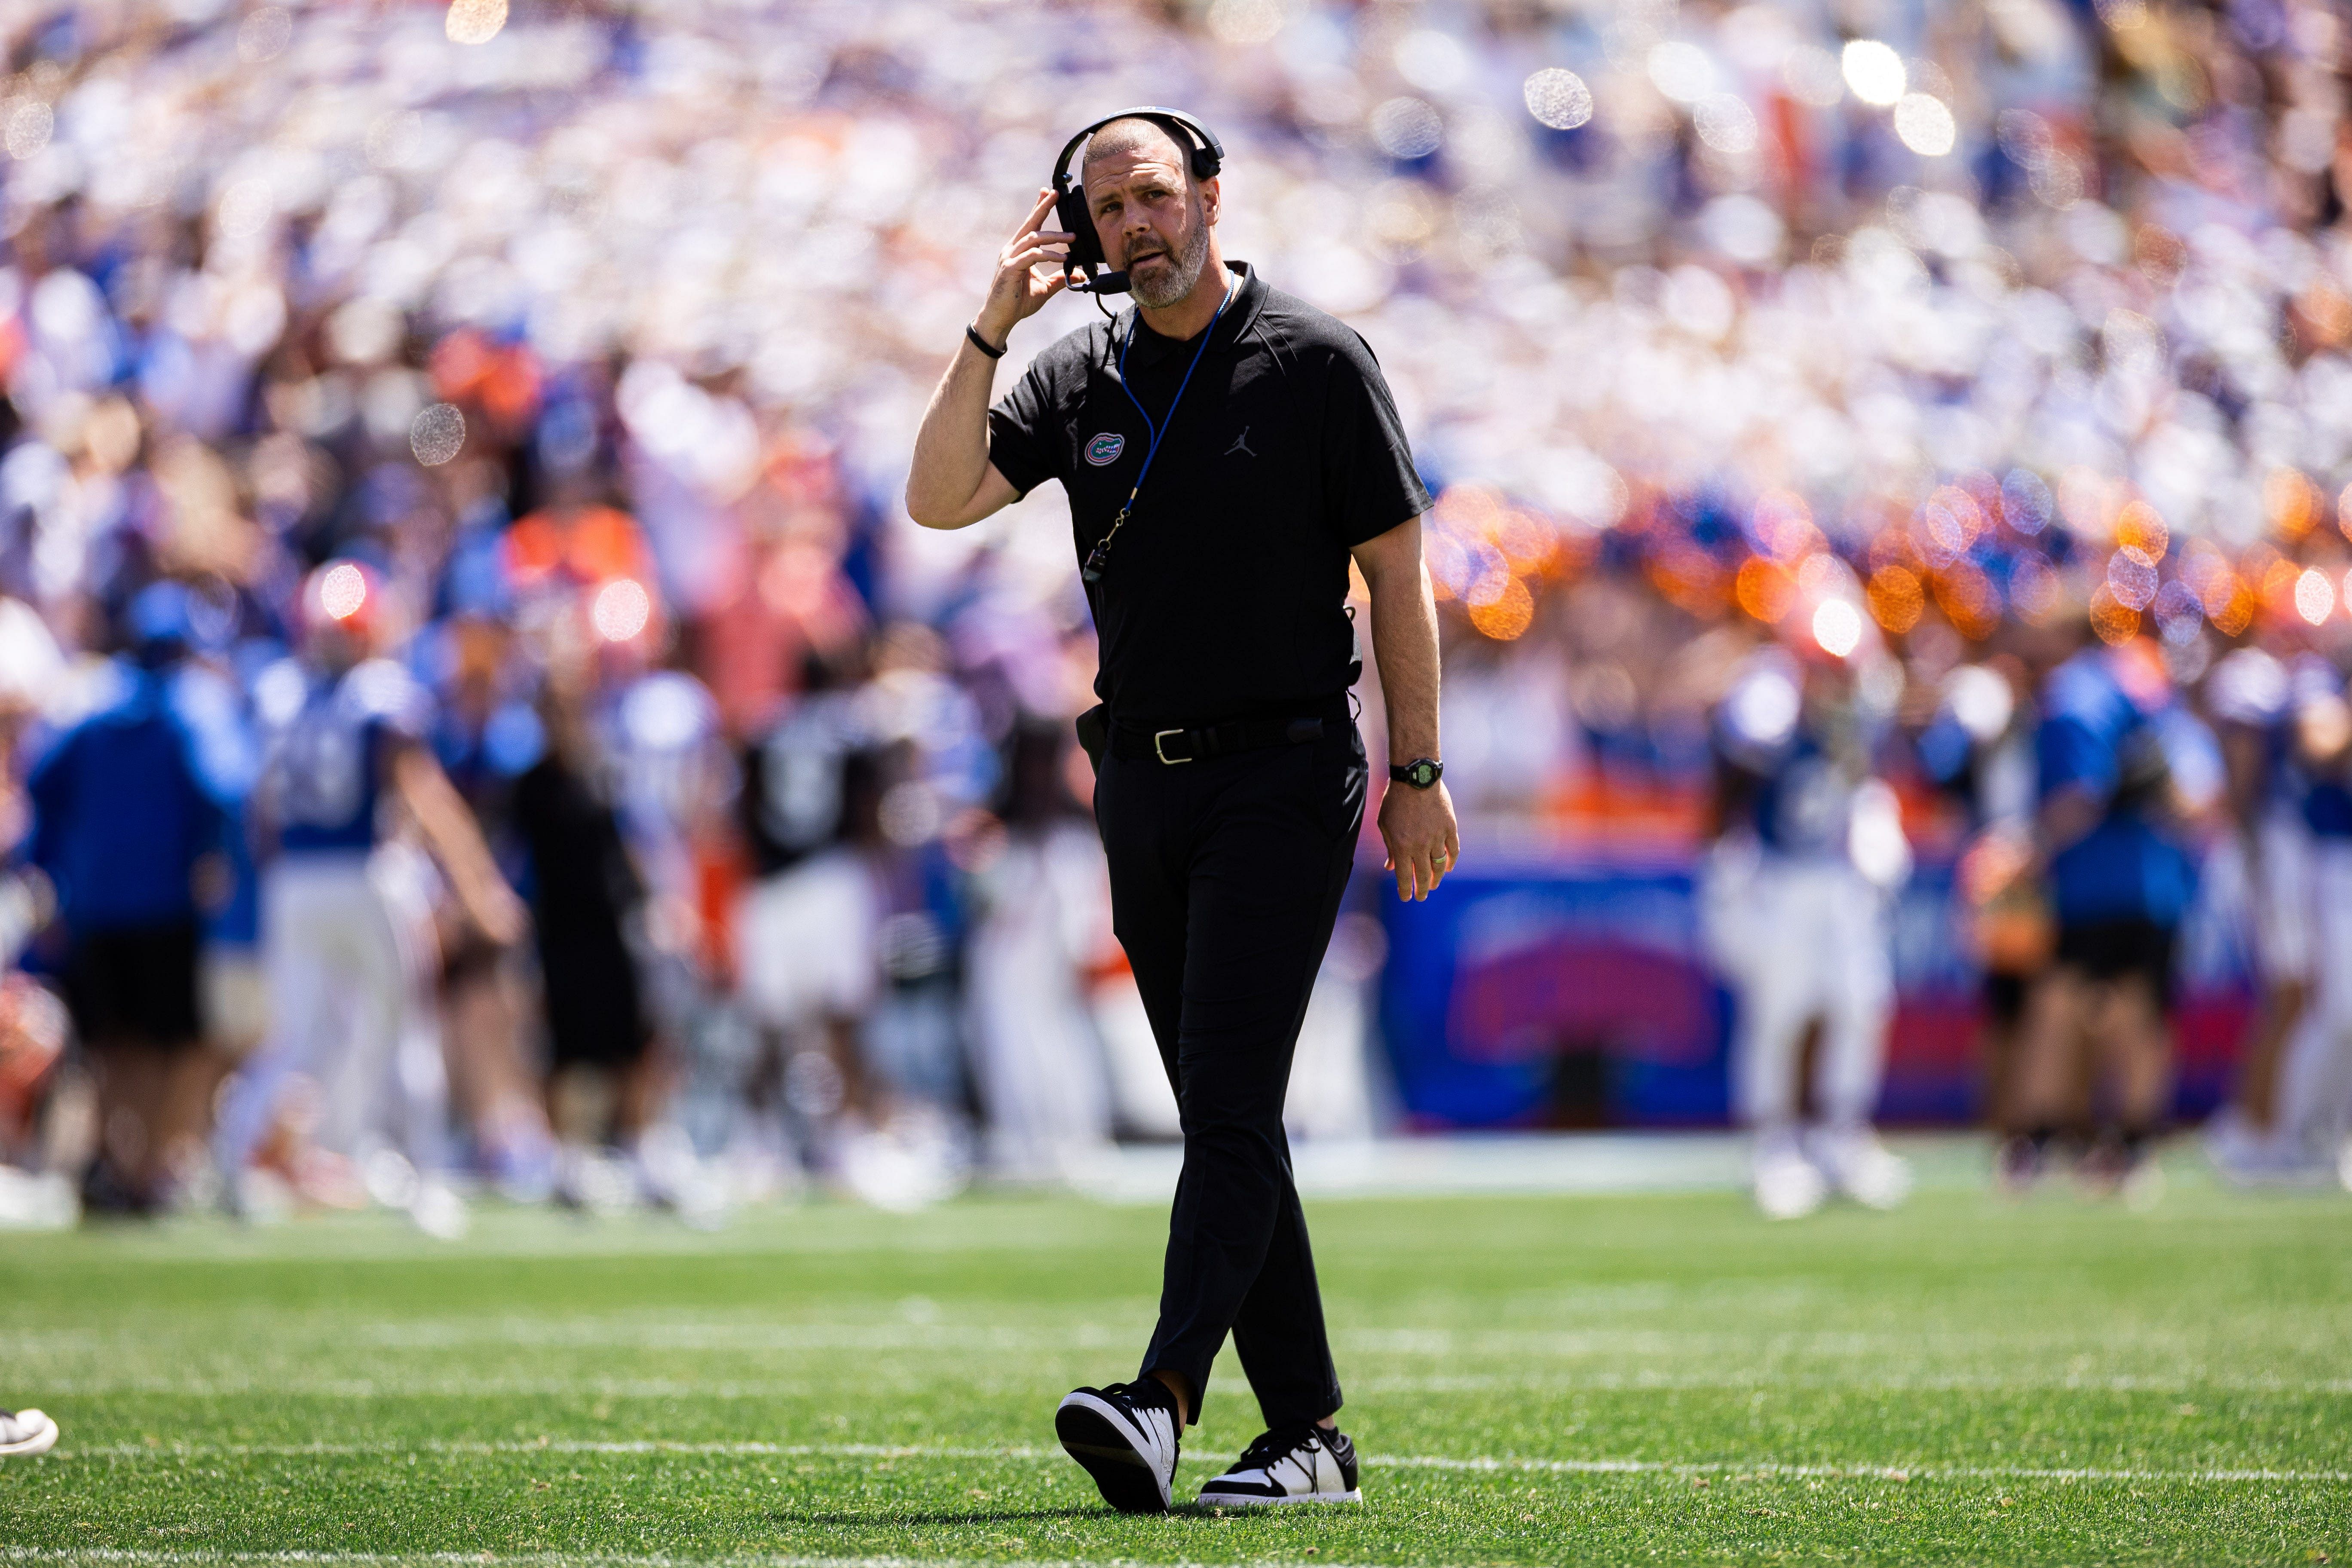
<point>1225,878</point>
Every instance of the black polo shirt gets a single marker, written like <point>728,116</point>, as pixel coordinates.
<point>1225,593</point>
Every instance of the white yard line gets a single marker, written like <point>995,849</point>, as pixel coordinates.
<point>58,1386</point>
<point>146,1558</point>
<point>1511,1463</point>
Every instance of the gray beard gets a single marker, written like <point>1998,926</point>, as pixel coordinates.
<point>1179,280</point>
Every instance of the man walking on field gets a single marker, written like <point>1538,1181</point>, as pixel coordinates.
<point>1230,780</point>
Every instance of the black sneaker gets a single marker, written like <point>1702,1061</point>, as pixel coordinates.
<point>1126,1437</point>
<point>1305,1463</point>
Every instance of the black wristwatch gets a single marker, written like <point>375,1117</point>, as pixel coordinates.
<point>1422,773</point>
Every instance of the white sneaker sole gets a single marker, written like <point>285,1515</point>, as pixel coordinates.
<point>1114,1451</point>
<point>44,1438</point>
<point>1238,1500</point>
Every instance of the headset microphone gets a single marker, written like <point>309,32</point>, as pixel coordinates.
<point>1086,258</point>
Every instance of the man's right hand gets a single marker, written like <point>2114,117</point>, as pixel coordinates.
<point>1017,292</point>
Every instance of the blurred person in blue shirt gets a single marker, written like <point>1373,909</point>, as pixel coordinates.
<point>1811,843</point>
<point>131,840</point>
<point>346,751</point>
<point>2109,744</point>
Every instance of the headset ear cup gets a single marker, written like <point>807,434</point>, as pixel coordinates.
<point>1070,213</point>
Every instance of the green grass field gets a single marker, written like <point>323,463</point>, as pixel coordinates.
<point>1591,1379</point>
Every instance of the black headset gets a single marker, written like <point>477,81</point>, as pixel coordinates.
<point>1208,155</point>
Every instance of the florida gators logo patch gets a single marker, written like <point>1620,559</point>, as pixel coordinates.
<point>1105,449</point>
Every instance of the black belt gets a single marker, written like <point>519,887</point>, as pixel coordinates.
<point>1173,746</point>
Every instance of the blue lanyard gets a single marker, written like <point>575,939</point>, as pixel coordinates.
<point>1099,557</point>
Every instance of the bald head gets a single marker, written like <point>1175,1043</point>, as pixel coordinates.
<point>1133,137</point>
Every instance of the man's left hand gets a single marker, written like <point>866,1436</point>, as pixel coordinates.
<point>1423,843</point>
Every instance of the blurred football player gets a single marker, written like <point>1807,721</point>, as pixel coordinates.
<point>2120,881</point>
<point>1804,931</point>
<point>131,839</point>
<point>587,898</point>
<point>1044,900</point>
<point>2248,700</point>
<point>345,749</point>
<point>2314,1101</point>
<point>808,953</point>
<point>1978,748</point>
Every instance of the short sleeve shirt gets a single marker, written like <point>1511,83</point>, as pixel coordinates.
<point>326,769</point>
<point>1225,594</point>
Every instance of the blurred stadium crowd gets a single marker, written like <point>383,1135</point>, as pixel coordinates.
<point>455,606</point>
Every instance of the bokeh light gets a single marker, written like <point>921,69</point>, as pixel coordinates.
<point>1407,128</point>
<point>1247,22</point>
<point>1507,616</point>
<point>1559,99</point>
<point>1764,589</point>
<point>475,21</point>
<point>1969,600</point>
<point>437,434</point>
<point>1683,71</point>
<point>622,609</point>
<point>1896,600</point>
<point>1837,627</point>
<point>2131,579</point>
<point>2140,530</point>
<point>1724,123</point>
<point>2314,595</point>
<point>1925,125</point>
<point>342,590</point>
<point>2114,621</point>
<point>1873,71</point>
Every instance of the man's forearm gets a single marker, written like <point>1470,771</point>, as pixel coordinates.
<point>951,447</point>
<point>1404,641</point>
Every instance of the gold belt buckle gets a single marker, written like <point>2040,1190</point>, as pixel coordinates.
<point>1159,747</point>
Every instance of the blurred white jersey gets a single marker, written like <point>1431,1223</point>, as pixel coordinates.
<point>342,974</point>
<point>1810,942</point>
<point>1038,1064</point>
<point>2314,1092</point>
<point>807,942</point>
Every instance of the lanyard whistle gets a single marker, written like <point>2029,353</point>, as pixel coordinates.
<point>1099,556</point>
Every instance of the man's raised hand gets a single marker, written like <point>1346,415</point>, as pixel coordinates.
<point>1017,292</point>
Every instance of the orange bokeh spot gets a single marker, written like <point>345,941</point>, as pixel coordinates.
<point>1527,541</point>
<point>1896,598</point>
<point>1691,580</point>
<point>2277,592</point>
<point>593,544</point>
<point>2115,621</point>
<point>1966,597</point>
<point>2290,502</point>
<point>1764,589</point>
<point>2138,527</point>
<point>1508,615</point>
<point>2236,610</point>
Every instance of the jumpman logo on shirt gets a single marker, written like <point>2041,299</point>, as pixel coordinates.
<point>1241,443</point>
